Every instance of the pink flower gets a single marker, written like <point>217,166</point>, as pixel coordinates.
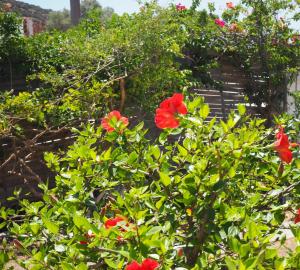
<point>220,22</point>
<point>147,264</point>
<point>166,114</point>
<point>180,7</point>
<point>109,122</point>
<point>230,5</point>
<point>233,27</point>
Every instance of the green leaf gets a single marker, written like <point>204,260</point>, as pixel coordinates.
<point>111,263</point>
<point>81,222</point>
<point>251,263</point>
<point>51,226</point>
<point>154,230</point>
<point>241,108</point>
<point>214,179</point>
<point>2,225</point>
<point>156,151</point>
<point>230,263</point>
<point>231,172</point>
<point>160,202</point>
<point>66,266</point>
<point>82,266</point>
<point>165,179</point>
<point>270,253</point>
<point>182,150</point>
<point>107,154</point>
<point>3,258</point>
<point>35,227</point>
<point>125,254</point>
<point>132,158</point>
<point>252,230</point>
<point>244,250</point>
<point>204,111</point>
<point>163,138</point>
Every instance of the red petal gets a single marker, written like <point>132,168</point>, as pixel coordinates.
<point>149,264</point>
<point>113,222</point>
<point>116,114</point>
<point>105,124</point>
<point>182,109</point>
<point>133,266</point>
<point>124,120</point>
<point>282,145</point>
<point>282,141</point>
<point>177,100</point>
<point>286,155</point>
<point>165,119</point>
<point>174,104</point>
<point>113,115</point>
<point>167,104</point>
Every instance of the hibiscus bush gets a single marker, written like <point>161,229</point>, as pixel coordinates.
<point>203,195</point>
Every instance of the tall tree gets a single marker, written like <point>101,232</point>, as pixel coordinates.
<point>88,5</point>
<point>59,20</point>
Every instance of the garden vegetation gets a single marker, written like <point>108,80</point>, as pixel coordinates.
<point>202,194</point>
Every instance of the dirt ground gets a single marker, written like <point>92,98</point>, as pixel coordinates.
<point>13,265</point>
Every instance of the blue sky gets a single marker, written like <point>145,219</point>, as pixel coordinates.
<point>119,6</point>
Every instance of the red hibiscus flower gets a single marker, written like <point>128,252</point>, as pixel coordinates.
<point>166,114</point>
<point>282,146</point>
<point>220,22</point>
<point>114,120</point>
<point>110,223</point>
<point>230,5</point>
<point>297,218</point>
<point>180,7</point>
<point>147,264</point>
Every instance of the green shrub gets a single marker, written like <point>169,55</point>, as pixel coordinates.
<point>205,195</point>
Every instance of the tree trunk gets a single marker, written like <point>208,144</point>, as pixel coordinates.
<point>10,73</point>
<point>75,11</point>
